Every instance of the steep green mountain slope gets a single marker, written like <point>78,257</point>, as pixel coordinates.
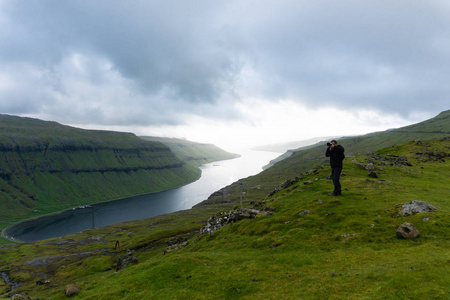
<point>302,244</point>
<point>46,167</point>
<point>192,152</point>
<point>436,127</point>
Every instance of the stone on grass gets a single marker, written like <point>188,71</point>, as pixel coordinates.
<point>416,206</point>
<point>373,174</point>
<point>370,167</point>
<point>72,289</point>
<point>124,260</point>
<point>20,296</point>
<point>407,231</point>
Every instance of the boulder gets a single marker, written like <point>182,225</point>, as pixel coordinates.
<point>407,231</point>
<point>124,260</point>
<point>373,174</point>
<point>370,167</point>
<point>72,289</point>
<point>416,206</point>
<point>20,296</point>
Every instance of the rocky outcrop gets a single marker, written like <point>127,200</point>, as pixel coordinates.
<point>216,222</point>
<point>416,206</point>
<point>176,243</point>
<point>389,159</point>
<point>284,184</point>
<point>20,296</point>
<point>13,285</point>
<point>431,155</point>
<point>124,260</point>
<point>411,208</point>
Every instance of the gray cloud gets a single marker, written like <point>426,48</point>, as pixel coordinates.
<point>155,62</point>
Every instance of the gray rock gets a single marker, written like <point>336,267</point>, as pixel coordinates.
<point>407,231</point>
<point>72,289</point>
<point>384,181</point>
<point>416,206</point>
<point>370,167</point>
<point>283,185</point>
<point>176,240</point>
<point>373,174</point>
<point>216,222</point>
<point>20,296</point>
<point>312,171</point>
<point>124,260</point>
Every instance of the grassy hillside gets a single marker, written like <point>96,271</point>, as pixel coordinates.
<point>47,167</point>
<point>311,246</point>
<point>436,127</point>
<point>192,152</point>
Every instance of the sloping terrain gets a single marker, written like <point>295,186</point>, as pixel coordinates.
<point>47,167</point>
<point>192,152</point>
<point>297,243</point>
<point>436,127</point>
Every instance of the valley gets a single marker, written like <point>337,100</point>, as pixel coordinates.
<point>298,242</point>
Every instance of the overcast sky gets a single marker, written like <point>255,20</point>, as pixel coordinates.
<point>227,72</point>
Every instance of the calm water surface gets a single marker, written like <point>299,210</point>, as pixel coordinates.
<point>214,177</point>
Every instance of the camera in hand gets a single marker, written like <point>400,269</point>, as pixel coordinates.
<point>328,144</point>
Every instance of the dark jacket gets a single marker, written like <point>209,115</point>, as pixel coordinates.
<point>336,156</point>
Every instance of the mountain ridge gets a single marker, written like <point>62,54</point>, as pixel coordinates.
<point>375,140</point>
<point>47,167</point>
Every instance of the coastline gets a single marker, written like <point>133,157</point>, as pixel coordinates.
<point>7,236</point>
<point>4,232</point>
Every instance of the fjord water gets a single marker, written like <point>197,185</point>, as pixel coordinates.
<point>215,176</point>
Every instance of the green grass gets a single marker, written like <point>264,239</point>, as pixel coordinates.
<point>436,127</point>
<point>345,248</point>
<point>47,167</point>
<point>192,152</point>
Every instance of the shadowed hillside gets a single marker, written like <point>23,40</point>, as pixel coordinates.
<point>46,167</point>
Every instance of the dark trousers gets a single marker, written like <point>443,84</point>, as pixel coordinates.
<point>335,175</point>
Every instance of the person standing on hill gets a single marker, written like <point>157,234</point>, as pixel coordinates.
<point>336,154</point>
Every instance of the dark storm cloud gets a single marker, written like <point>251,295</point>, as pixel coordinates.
<point>148,62</point>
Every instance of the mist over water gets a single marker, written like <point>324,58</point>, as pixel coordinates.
<point>215,176</point>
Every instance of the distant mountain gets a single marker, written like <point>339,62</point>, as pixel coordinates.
<point>283,147</point>
<point>46,167</point>
<point>192,152</point>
